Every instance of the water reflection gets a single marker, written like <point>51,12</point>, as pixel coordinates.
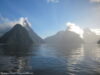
<point>16,50</point>
<point>83,61</point>
<point>49,60</point>
<point>14,58</point>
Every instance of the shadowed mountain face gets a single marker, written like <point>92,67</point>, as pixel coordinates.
<point>18,35</point>
<point>33,35</point>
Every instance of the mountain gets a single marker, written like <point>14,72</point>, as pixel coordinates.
<point>21,31</point>
<point>64,39</point>
<point>18,35</point>
<point>90,36</point>
<point>71,39</point>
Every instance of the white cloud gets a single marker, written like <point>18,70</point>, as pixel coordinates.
<point>96,1</point>
<point>5,22</point>
<point>53,1</point>
<point>24,21</point>
<point>96,31</point>
<point>2,19</point>
<point>74,28</point>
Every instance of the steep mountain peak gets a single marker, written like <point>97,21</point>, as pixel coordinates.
<point>18,26</point>
<point>21,31</point>
<point>17,35</point>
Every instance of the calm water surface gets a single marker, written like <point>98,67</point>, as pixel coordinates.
<point>49,60</point>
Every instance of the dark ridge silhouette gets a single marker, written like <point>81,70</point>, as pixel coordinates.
<point>18,35</point>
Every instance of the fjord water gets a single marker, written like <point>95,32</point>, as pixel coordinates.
<point>49,60</point>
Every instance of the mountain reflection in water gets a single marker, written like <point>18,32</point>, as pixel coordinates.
<point>47,60</point>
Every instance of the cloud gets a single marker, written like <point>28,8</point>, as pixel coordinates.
<point>96,31</point>
<point>6,24</point>
<point>96,1</point>
<point>74,28</point>
<point>24,21</point>
<point>53,1</point>
<point>3,19</point>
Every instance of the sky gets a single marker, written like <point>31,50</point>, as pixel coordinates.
<point>50,16</point>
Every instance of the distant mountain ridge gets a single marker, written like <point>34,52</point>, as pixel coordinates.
<point>69,38</point>
<point>90,37</point>
<point>64,39</point>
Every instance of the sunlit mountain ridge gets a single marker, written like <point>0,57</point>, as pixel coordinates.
<point>75,34</point>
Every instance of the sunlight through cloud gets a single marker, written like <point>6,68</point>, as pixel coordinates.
<point>74,28</point>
